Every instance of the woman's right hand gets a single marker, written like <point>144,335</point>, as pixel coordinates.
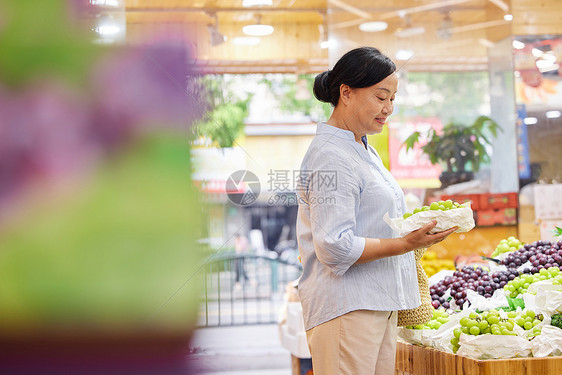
<point>421,238</point>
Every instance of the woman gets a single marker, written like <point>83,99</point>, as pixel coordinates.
<point>356,275</point>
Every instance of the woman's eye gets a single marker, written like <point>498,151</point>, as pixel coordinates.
<point>381,99</point>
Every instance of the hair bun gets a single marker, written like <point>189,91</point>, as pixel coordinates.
<point>321,87</point>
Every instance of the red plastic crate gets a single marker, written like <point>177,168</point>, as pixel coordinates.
<point>502,216</point>
<point>496,201</point>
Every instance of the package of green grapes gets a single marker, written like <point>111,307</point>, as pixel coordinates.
<point>448,214</point>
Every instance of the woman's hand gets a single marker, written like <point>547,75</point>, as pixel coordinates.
<point>422,238</point>
<point>380,248</point>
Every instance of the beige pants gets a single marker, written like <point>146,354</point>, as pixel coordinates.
<point>361,342</point>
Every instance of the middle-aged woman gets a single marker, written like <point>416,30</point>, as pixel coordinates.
<point>356,273</point>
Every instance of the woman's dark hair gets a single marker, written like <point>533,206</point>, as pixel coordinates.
<point>360,67</point>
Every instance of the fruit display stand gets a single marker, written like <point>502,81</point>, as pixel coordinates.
<point>419,360</point>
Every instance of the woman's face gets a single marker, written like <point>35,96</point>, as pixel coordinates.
<point>369,107</point>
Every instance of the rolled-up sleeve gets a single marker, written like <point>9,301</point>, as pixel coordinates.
<point>333,197</point>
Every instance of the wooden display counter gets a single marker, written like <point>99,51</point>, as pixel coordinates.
<point>419,360</point>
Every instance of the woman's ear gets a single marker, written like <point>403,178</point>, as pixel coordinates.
<point>345,93</point>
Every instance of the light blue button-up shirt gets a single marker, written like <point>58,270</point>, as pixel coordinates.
<point>344,192</point>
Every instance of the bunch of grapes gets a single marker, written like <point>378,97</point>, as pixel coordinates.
<point>528,320</point>
<point>476,279</point>
<point>541,254</point>
<point>521,283</point>
<point>439,318</point>
<point>507,245</point>
<point>490,322</point>
<point>441,205</point>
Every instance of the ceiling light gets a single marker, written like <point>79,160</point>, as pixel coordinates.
<point>537,52</point>
<point>257,30</point>
<point>530,120</point>
<point>327,44</point>
<point>107,3</point>
<point>254,3</point>
<point>508,17</point>
<point>552,114</point>
<point>545,64</point>
<point>518,45</point>
<point>246,41</point>
<point>486,43</point>
<point>107,29</point>
<point>404,54</point>
<point>548,68</point>
<point>410,31</point>
<point>371,27</point>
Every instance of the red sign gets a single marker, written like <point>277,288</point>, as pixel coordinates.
<point>412,164</point>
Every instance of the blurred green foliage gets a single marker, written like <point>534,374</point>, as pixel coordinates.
<point>115,251</point>
<point>37,40</point>
<point>289,102</point>
<point>223,121</point>
<point>451,96</point>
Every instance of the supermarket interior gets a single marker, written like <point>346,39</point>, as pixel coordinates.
<point>150,165</point>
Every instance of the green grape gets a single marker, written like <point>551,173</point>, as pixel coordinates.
<point>457,332</point>
<point>434,206</point>
<point>528,325</point>
<point>509,244</point>
<point>474,330</point>
<point>520,321</point>
<point>464,320</point>
<point>493,320</point>
<point>483,324</point>
<point>512,314</point>
<point>471,323</point>
<point>530,313</point>
<point>473,315</point>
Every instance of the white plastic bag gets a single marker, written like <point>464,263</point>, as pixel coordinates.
<point>493,346</point>
<point>548,343</point>
<point>482,303</point>
<point>457,217</point>
<point>548,301</point>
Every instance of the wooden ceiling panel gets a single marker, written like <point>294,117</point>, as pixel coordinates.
<point>299,25</point>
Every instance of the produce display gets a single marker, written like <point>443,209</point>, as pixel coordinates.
<point>431,264</point>
<point>440,317</point>
<point>491,322</point>
<point>507,245</point>
<point>477,279</point>
<point>541,254</point>
<point>441,205</point>
<point>518,298</point>
<point>521,283</point>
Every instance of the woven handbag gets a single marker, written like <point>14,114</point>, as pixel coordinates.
<point>424,312</point>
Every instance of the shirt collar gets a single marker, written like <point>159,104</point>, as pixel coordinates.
<point>324,128</point>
